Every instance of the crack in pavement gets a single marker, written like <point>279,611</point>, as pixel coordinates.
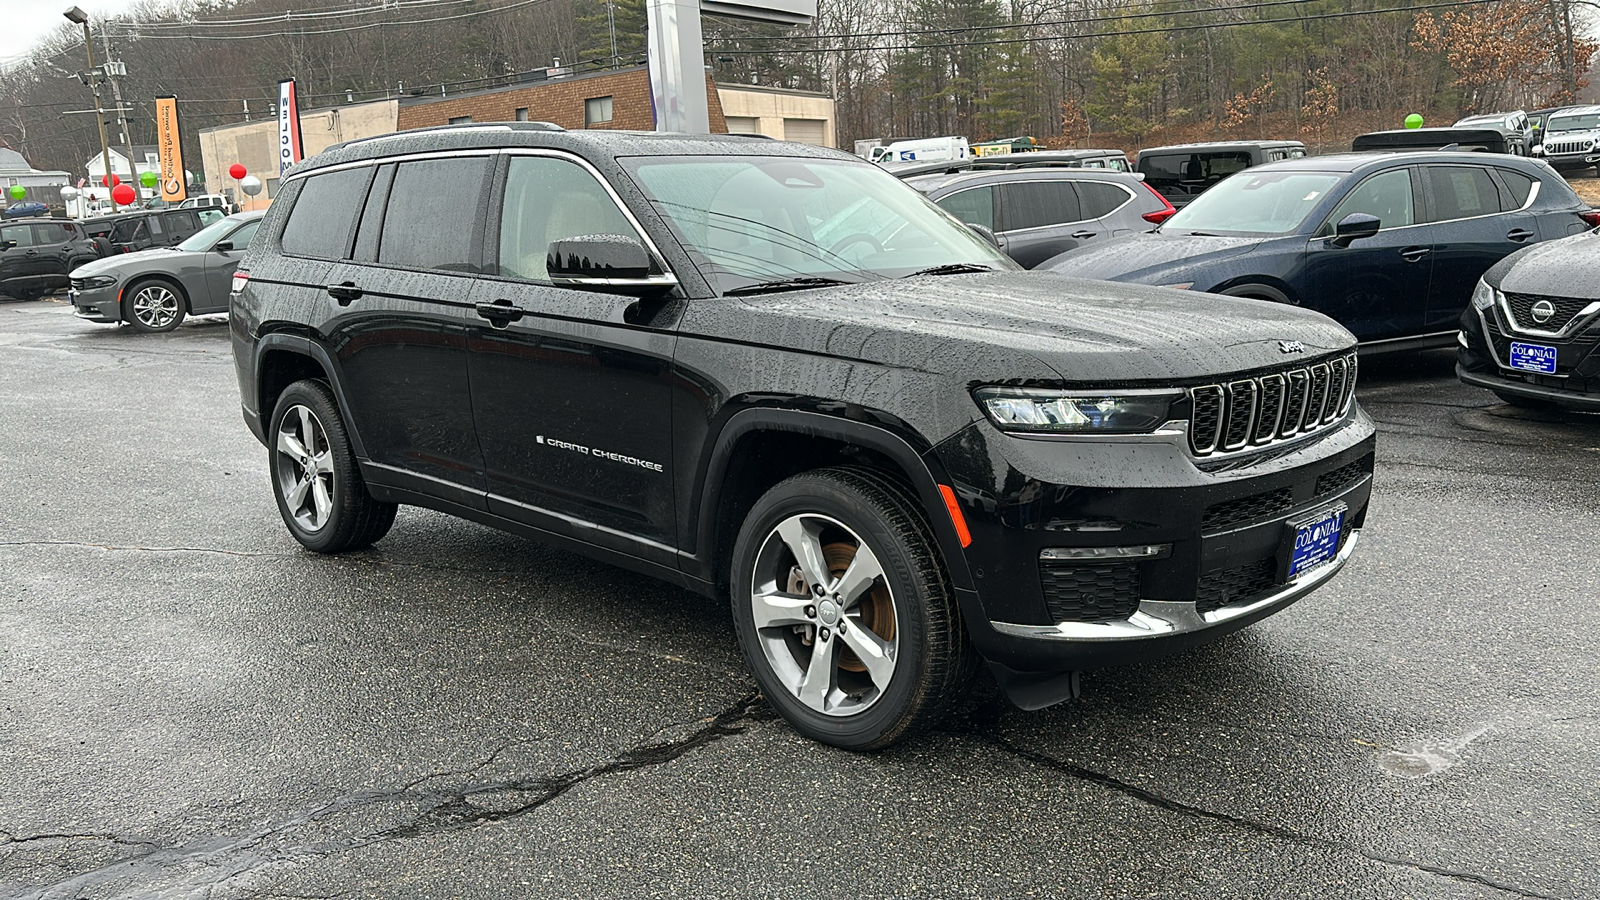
<point>136,549</point>
<point>203,865</point>
<point>1265,829</point>
<point>7,839</point>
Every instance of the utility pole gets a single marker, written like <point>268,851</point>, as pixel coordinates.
<point>114,69</point>
<point>80,17</point>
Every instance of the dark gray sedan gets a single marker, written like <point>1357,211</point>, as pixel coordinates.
<point>154,289</point>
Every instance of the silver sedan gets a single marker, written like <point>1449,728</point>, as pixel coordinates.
<point>154,289</point>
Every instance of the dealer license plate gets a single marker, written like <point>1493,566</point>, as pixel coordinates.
<point>1533,358</point>
<point>1316,540</point>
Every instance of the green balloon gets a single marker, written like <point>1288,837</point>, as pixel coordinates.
<point>1413,121</point>
<point>149,179</point>
<point>18,192</point>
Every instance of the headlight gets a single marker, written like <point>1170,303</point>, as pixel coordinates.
<point>99,281</point>
<point>1076,412</point>
<point>1483,296</point>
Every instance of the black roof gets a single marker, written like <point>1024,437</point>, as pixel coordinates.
<point>1220,145</point>
<point>593,142</point>
<point>1428,138</point>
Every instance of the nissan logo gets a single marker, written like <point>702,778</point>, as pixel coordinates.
<point>1543,310</point>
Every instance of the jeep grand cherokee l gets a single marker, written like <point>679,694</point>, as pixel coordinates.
<point>775,374</point>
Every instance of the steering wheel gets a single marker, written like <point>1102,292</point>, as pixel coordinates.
<point>857,238</point>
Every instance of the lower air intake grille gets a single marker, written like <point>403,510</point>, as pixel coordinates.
<point>1224,587</point>
<point>1244,509</point>
<point>1342,477</point>
<point>1090,592</point>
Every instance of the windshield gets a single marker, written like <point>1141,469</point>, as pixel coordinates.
<point>1585,122</point>
<point>1254,202</point>
<point>756,219</point>
<point>205,237</point>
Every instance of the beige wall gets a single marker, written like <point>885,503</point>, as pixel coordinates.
<point>769,109</point>
<point>255,144</point>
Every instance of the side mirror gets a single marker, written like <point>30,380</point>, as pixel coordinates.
<point>222,246</point>
<point>603,262</point>
<point>7,245</point>
<point>986,234</point>
<point>1354,227</point>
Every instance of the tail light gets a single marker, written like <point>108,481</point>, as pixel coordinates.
<point>1591,218</point>
<point>1160,215</point>
<point>240,279</point>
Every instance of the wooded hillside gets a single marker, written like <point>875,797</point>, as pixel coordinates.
<point>1088,72</point>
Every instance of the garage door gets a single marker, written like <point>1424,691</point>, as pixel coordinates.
<point>744,125</point>
<point>806,131</point>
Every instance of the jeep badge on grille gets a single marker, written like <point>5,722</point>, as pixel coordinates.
<point>1291,347</point>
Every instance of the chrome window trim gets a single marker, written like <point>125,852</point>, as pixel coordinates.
<point>1533,195</point>
<point>385,160</point>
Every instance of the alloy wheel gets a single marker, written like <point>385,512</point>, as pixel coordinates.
<point>155,306</point>
<point>824,614</point>
<point>304,466</point>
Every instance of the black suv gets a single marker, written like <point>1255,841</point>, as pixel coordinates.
<point>37,254</point>
<point>774,373</point>
<point>1182,172</point>
<point>142,229</point>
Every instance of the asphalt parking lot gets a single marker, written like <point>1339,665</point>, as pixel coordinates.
<point>192,706</point>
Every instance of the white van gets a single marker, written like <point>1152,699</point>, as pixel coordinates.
<point>923,150</point>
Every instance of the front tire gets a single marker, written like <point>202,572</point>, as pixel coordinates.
<point>843,610</point>
<point>320,492</point>
<point>154,306</point>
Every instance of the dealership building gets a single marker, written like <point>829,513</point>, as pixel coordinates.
<point>613,99</point>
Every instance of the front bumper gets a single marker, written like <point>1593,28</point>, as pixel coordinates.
<point>97,304</point>
<point>1222,534</point>
<point>1484,349</point>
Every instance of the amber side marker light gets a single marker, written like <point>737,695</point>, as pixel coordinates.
<point>956,518</point>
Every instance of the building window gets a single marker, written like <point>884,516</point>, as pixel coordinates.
<point>460,120</point>
<point>596,110</point>
<point>522,114</point>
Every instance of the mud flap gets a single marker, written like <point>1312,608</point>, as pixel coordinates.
<point>1035,690</point>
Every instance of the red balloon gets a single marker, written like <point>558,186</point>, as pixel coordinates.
<point>113,180</point>
<point>123,194</point>
<point>237,171</point>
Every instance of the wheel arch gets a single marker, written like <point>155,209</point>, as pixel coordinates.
<point>757,448</point>
<point>126,296</point>
<point>1257,287</point>
<point>281,359</point>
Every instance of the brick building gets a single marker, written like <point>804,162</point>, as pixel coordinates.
<point>614,99</point>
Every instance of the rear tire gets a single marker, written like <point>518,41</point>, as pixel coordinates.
<point>315,478</point>
<point>841,562</point>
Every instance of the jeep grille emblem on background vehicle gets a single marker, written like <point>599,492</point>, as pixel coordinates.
<point>1543,310</point>
<point>1291,347</point>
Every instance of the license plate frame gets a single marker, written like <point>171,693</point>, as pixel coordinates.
<point>1312,541</point>
<point>1539,359</point>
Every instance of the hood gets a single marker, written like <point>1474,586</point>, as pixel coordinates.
<point>1154,258</point>
<point>1569,267</point>
<point>113,264</point>
<point>986,327</point>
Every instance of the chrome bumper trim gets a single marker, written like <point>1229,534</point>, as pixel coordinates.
<point>1164,618</point>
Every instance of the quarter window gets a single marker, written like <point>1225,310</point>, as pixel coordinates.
<point>422,231</point>
<point>1037,204</point>
<point>549,199</point>
<point>1519,185</point>
<point>974,206</point>
<point>325,214</point>
<point>1386,195</point>
<point>1099,198</point>
<point>1461,192</point>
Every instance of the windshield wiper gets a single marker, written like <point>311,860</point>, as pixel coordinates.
<point>783,284</point>
<point>951,269</point>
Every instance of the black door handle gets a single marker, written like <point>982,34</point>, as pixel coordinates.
<point>1415,254</point>
<point>345,292</point>
<point>1083,235</point>
<point>499,313</point>
<point>1519,235</point>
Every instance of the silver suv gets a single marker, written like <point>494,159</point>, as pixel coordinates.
<point>1571,138</point>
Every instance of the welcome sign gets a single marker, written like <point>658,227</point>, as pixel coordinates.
<point>290,150</point>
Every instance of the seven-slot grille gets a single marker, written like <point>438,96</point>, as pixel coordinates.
<point>1566,147</point>
<point>1566,309</point>
<point>1266,409</point>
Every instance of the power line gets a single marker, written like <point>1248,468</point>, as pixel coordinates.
<point>1099,34</point>
<point>133,30</point>
<point>291,16</point>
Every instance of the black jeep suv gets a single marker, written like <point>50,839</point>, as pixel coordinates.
<point>774,373</point>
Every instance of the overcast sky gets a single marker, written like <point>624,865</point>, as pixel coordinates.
<point>24,23</point>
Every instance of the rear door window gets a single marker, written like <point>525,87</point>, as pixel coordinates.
<point>433,216</point>
<point>324,214</point>
<point>1038,204</point>
<point>180,225</point>
<point>53,233</point>
<point>1461,192</point>
<point>975,206</point>
<point>1192,170</point>
<point>550,199</point>
<point>1099,199</point>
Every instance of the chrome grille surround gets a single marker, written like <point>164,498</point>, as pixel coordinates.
<point>1246,413</point>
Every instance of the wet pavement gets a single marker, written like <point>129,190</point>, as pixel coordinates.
<point>191,706</point>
